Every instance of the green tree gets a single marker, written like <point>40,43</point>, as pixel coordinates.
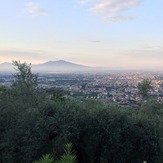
<point>25,90</point>
<point>144,88</point>
<point>24,76</point>
<point>2,89</point>
<point>32,125</point>
<point>45,159</point>
<point>69,156</point>
<point>58,95</point>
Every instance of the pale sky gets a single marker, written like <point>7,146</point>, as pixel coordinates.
<point>105,33</point>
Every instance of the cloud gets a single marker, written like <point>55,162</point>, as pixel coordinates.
<point>35,9</point>
<point>112,10</point>
<point>148,53</point>
<point>95,41</point>
<point>16,53</point>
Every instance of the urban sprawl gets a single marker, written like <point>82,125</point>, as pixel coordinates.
<point>120,88</point>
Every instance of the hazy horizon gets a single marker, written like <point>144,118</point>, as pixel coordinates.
<point>97,33</point>
<point>68,66</point>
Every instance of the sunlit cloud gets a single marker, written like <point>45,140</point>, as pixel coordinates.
<point>95,41</point>
<point>112,10</point>
<point>146,53</point>
<point>35,9</point>
<point>25,54</point>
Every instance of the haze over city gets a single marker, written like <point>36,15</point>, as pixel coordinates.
<point>102,33</point>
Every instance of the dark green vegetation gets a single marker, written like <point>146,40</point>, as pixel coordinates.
<point>33,124</point>
<point>144,88</point>
<point>68,157</point>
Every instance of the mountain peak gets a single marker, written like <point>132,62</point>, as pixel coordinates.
<point>52,66</point>
<point>57,62</point>
<point>60,60</point>
<point>5,63</point>
<point>61,65</point>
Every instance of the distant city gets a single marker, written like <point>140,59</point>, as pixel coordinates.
<point>114,87</point>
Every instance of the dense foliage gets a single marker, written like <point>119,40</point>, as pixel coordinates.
<point>33,124</point>
<point>144,88</point>
<point>68,157</point>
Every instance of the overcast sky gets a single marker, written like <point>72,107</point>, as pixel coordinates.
<point>107,33</point>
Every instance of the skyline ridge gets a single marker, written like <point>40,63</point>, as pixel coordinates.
<point>71,66</point>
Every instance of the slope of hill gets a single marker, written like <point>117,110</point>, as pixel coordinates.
<point>51,66</point>
<point>6,67</point>
<point>60,65</point>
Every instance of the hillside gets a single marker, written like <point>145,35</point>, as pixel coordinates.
<point>60,65</point>
<point>50,66</point>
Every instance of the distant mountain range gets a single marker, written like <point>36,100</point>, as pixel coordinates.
<point>6,66</point>
<point>61,66</point>
<point>65,66</point>
<point>50,66</point>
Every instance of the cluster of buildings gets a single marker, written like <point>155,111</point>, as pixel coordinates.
<point>120,88</point>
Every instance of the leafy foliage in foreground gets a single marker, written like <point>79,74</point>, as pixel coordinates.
<point>32,125</point>
<point>46,159</point>
<point>68,157</point>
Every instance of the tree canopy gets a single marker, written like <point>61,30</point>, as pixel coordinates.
<point>144,88</point>
<point>33,125</point>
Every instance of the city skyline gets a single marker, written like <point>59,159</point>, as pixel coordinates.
<point>103,33</point>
